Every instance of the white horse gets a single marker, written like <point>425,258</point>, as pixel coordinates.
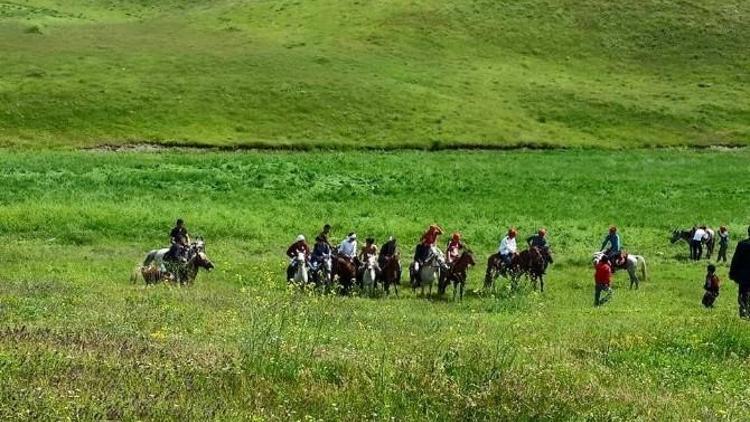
<point>302,274</point>
<point>631,265</point>
<point>370,272</point>
<point>430,272</point>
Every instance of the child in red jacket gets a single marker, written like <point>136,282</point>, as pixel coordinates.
<point>602,277</point>
<point>711,287</point>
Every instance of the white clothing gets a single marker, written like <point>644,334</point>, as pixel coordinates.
<point>508,246</point>
<point>699,234</point>
<point>348,248</point>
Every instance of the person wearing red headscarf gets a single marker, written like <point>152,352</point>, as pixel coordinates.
<point>454,246</point>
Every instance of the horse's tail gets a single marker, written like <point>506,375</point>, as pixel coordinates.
<point>644,269</point>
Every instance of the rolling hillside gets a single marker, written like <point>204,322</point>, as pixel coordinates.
<point>397,73</point>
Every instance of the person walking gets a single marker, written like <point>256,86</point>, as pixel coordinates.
<point>602,279</point>
<point>711,286</point>
<point>739,271</point>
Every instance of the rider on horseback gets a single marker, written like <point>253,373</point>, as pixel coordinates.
<point>455,245</point>
<point>321,250</point>
<point>299,246</point>
<point>539,241</point>
<point>388,250</point>
<point>508,247</point>
<point>179,240</point>
<point>428,241</point>
<point>323,236</point>
<point>370,249</point>
<point>614,253</point>
<point>348,247</point>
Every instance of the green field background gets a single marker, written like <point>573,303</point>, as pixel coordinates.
<point>80,341</point>
<point>389,74</point>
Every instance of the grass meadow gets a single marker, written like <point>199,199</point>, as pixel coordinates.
<point>79,341</point>
<point>386,74</point>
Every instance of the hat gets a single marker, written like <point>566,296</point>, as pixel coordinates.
<point>512,232</point>
<point>456,236</point>
<point>352,236</point>
<point>179,221</point>
<point>300,238</point>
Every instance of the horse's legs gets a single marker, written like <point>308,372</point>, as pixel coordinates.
<point>541,283</point>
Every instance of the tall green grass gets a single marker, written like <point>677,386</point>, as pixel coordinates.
<point>77,340</point>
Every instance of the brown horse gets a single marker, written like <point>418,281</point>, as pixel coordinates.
<point>391,274</point>
<point>456,274</point>
<point>496,268</point>
<point>532,263</point>
<point>345,271</point>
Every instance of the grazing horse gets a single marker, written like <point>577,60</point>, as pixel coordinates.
<point>185,271</point>
<point>687,235</point>
<point>533,263</point>
<point>630,263</point>
<point>456,274</point>
<point>429,272</point>
<point>302,270</point>
<point>370,267</point>
<point>497,267</point>
<point>390,273</point>
<point>345,271</point>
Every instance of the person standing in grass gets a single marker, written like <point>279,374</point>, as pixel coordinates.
<point>739,271</point>
<point>723,244</point>
<point>696,245</point>
<point>602,279</point>
<point>711,286</point>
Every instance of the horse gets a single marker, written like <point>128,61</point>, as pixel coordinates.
<point>345,271</point>
<point>630,263</point>
<point>321,271</point>
<point>497,267</point>
<point>302,270</point>
<point>429,272</point>
<point>390,273</point>
<point>370,267</point>
<point>184,271</point>
<point>456,274</point>
<point>687,235</point>
<point>533,263</point>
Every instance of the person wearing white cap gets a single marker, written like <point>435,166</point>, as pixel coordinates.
<point>348,247</point>
<point>299,246</point>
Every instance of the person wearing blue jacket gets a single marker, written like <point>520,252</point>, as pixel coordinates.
<point>615,246</point>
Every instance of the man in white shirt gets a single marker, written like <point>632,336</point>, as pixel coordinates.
<point>508,247</point>
<point>696,246</point>
<point>348,247</point>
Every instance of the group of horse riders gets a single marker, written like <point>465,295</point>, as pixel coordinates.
<point>425,249</point>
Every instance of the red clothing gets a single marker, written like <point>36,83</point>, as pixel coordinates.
<point>603,275</point>
<point>298,247</point>
<point>712,283</point>
<point>430,236</point>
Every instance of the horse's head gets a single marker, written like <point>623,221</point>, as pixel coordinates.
<point>676,235</point>
<point>202,261</point>
<point>468,256</point>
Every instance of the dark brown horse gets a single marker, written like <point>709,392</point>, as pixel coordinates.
<point>532,263</point>
<point>456,274</point>
<point>390,274</point>
<point>345,271</point>
<point>496,267</point>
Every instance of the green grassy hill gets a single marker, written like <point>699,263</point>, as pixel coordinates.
<point>387,73</point>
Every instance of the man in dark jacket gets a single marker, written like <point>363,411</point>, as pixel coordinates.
<point>739,271</point>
